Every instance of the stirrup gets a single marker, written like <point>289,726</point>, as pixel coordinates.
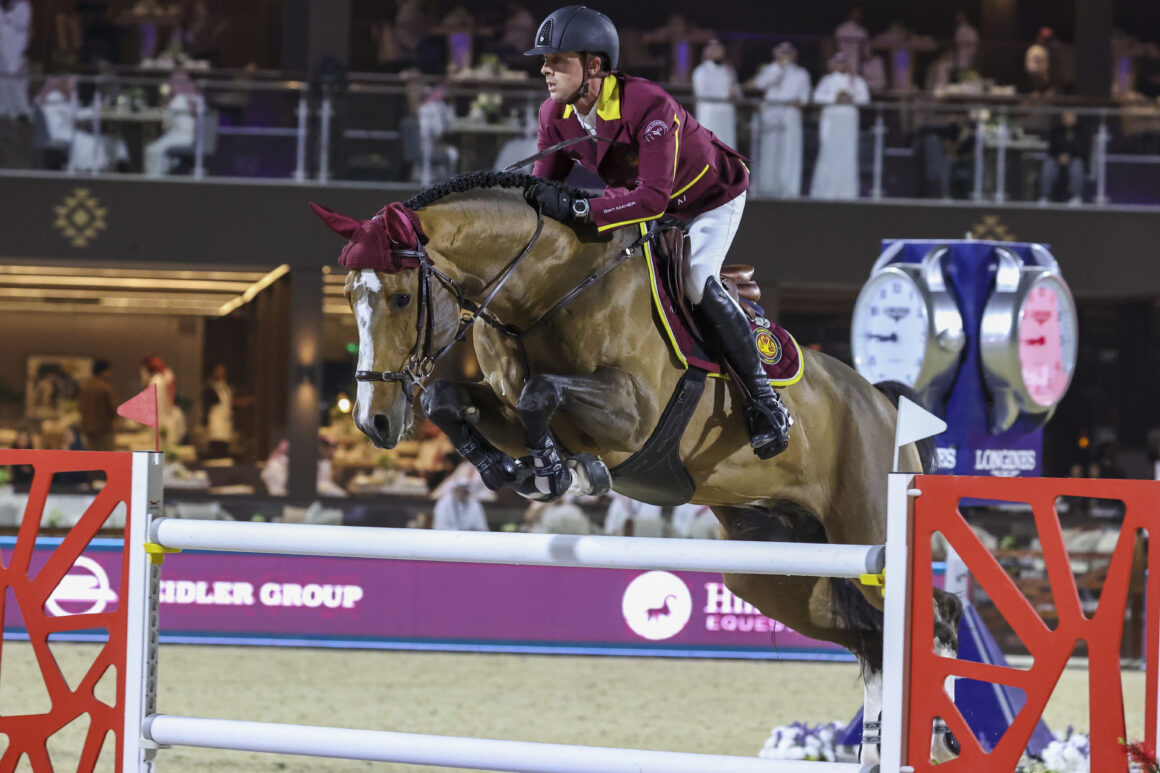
<point>768,427</point>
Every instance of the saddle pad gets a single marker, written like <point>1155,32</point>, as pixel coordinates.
<point>780,353</point>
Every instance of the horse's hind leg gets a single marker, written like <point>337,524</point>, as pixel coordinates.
<point>460,410</point>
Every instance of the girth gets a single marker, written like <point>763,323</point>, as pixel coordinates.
<point>655,473</point>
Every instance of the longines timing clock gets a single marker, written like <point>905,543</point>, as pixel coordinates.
<point>907,327</point>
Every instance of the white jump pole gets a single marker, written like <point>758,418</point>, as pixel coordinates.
<point>477,753</point>
<point>535,549</point>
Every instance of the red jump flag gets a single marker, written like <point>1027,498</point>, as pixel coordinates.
<point>142,408</point>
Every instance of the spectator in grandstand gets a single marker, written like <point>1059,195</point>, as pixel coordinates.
<point>851,40</point>
<point>715,86</point>
<point>458,510</point>
<point>180,124</point>
<point>628,517</point>
<point>1067,150</point>
<point>22,474</point>
<point>836,170</point>
<point>170,416</point>
<point>98,408</point>
<point>694,521</point>
<point>563,516</point>
<point>15,25</point>
<point>1037,63</point>
<point>778,170</point>
<point>65,121</point>
<point>966,42</point>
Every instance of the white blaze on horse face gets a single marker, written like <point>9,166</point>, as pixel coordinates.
<point>369,281</point>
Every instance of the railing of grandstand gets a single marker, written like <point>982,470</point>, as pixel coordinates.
<point>967,146</point>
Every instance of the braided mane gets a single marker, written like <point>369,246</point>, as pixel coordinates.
<point>476,180</point>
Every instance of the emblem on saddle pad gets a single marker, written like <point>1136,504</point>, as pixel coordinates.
<point>767,345</point>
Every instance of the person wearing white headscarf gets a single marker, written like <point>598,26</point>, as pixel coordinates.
<point>836,170</point>
<point>778,171</point>
<point>15,23</point>
<point>714,86</point>
<point>458,510</point>
<point>180,123</point>
<point>62,113</point>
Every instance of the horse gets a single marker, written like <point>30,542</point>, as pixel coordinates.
<point>576,374</point>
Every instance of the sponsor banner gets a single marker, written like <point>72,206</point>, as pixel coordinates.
<point>249,598</point>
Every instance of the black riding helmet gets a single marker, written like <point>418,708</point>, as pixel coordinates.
<point>581,29</point>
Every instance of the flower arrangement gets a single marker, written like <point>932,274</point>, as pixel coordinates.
<point>485,107</point>
<point>1070,752</point>
<point>799,741</point>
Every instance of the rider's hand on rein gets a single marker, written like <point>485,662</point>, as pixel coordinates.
<point>556,203</point>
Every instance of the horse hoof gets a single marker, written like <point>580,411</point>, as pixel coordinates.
<point>590,476</point>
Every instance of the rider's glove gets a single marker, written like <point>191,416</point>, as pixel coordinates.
<point>555,202</point>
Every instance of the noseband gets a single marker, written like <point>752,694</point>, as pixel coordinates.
<point>421,362</point>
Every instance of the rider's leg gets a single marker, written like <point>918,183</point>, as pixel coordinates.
<point>710,236</point>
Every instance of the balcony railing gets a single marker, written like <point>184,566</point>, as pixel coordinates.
<point>977,147</point>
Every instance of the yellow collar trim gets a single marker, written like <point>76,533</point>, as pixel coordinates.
<point>608,106</point>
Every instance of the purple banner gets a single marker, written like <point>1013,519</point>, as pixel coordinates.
<point>266,599</point>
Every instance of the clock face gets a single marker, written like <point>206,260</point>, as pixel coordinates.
<point>1047,340</point>
<point>889,329</point>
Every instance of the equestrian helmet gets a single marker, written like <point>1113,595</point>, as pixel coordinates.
<point>578,28</point>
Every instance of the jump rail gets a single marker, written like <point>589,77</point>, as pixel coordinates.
<point>477,753</point>
<point>146,730</point>
<point>535,549</point>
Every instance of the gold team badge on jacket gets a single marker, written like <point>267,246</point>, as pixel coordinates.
<point>767,345</point>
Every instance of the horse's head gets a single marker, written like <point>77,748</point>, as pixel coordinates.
<point>401,316</point>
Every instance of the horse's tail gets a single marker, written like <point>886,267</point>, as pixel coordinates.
<point>856,615</point>
<point>926,449</point>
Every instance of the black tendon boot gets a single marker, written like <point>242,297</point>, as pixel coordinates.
<point>766,417</point>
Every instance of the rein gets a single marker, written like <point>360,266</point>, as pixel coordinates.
<point>421,362</point>
<point>553,148</point>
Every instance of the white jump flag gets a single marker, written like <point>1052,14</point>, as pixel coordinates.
<point>914,423</point>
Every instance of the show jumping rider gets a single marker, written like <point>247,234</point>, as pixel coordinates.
<point>660,161</point>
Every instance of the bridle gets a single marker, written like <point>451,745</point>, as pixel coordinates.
<point>421,362</point>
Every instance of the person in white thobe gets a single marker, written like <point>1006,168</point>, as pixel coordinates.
<point>180,122</point>
<point>87,152</point>
<point>836,170</point>
<point>622,511</point>
<point>778,171</point>
<point>715,86</point>
<point>15,23</point>
<point>457,510</point>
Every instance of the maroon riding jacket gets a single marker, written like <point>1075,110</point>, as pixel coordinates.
<point>660,161</point>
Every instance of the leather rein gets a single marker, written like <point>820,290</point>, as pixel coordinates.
<point>421,362</point>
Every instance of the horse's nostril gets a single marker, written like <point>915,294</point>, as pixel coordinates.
<point>382,424</point>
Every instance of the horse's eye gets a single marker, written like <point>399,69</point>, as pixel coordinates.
<point>400,301</point>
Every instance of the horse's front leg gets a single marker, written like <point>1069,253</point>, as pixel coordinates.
<point>468,414</point>
<point>594,402</point>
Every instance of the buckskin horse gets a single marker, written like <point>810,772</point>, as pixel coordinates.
<point>577,373</point>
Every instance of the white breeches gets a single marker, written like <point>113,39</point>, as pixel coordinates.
<point>710,236</point>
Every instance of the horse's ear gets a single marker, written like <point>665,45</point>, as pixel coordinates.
<point>343,225</point>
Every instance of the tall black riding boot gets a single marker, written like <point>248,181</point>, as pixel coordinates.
<point>766,416</point>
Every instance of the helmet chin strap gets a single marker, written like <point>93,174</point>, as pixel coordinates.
<point>581,92</point>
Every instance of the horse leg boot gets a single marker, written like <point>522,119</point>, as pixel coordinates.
<point>766,417</point>
<point>948,611</point>
<point>539,401</point>
<point>449,407</point>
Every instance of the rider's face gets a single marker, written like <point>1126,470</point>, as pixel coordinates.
<point>564,73</point>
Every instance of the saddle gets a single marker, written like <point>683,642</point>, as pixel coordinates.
<point>780,353</point>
